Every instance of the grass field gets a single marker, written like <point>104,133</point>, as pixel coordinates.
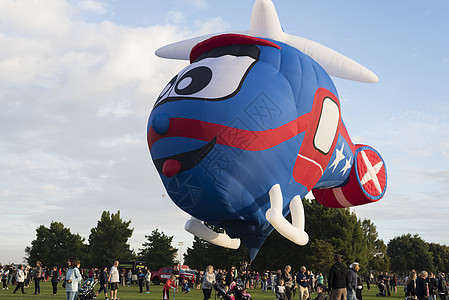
<point>131,293</point>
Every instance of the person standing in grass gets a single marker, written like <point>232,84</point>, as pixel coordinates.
<point>442,286</point>
<point>288,281</point>
<point>432,283</point>
<point>72,280</point>
<point>208,282</point>
<point>352,281</point>
<point>114,279</point>
<point>129,277</point>
<point>54,280</point>
<point>410,286</point>
<point>103,282</point>
<point>303,282</point>
<point>421,286</point>
<point>147,280</point>
<point>338,279</point>
<point>20,278</point>
<point>37,278</point>
<point>141,277</point>
<point>5,274</point>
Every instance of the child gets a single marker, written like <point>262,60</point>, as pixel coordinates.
<point>280,290</point>
<point>245,294</point>
<point>320,291</point>
<point>185,286</point>
<point>170,283</point>
<point>229,292</point>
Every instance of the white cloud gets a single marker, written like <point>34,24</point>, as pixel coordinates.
<point>75,98</point>
<point>175,17</point>
<point>92,6</point>
<point>198,4</point>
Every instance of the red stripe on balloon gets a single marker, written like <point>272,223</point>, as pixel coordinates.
<point>229,136</point>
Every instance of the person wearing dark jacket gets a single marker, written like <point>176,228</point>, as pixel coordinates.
<point>352,281</point>
<point>141,278</point>
<point>338,279</point>
<point>303,282</point>
<point>37,278</point>
<point>288,281</point>
<point>421,286</point>
<point>433,287</point>
<point>320,291</point>
<point>410,286</point>
<point>442,287</point>
<point>54,280</point>
<point>103,282</point>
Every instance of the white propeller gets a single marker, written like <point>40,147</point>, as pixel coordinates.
<point>265,24</point>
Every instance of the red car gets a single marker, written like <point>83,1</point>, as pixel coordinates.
<point>164,273</point>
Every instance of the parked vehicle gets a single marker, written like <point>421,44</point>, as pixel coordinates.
<point>164,273</point>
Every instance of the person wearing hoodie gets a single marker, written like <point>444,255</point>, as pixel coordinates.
<point>338,279</point>
<point>352,281</point>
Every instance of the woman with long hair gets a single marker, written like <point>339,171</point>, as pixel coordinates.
<point>288,282</point>
<point>72,279</point>
<point>208,282</point>
<point>411,286</point>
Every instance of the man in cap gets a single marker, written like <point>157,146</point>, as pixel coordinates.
<point>352,281</point>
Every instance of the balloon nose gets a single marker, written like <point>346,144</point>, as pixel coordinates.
<point>171,167</point>
<point>161,123</point>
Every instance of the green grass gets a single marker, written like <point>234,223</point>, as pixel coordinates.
<point>132,293</point>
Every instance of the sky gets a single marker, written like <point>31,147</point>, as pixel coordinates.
<point>78,79</point>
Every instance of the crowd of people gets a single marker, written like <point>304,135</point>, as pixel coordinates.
<point>341,283</point>
<point>71,278</point>
<point>425,286</point>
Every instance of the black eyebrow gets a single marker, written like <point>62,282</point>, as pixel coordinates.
<point>235,50</point>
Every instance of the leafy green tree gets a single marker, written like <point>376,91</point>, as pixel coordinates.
<point>378,259</point>
<point>322,255</point>
<point>440,257</point>
<point>408,252</point>
<point>277,252</point>
<point>108,241</point>
<point>335,229</point>
<point>338,227</point>
<point>54,245</point>
<point>158,251</point>
<point>330,230</point>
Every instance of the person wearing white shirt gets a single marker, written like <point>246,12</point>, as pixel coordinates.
<point>20,278</point>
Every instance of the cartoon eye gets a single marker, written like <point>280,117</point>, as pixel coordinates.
<point>193,81</point>
<point>210,79</point>
<point>167,88</point>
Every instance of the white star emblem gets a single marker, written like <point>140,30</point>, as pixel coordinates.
<point>371,173</point>
<point>347,166</point>
<point>339,156</point>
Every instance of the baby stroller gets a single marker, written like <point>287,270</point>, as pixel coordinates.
<point>239,293</point>
<point>382,289</point>
<point>222,293</point>
<point>86,292</point>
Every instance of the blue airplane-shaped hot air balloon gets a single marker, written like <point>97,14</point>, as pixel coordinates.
<point>253,124</point>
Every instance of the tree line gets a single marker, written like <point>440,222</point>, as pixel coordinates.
<point>330,231</point>
<point>107,242</point>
